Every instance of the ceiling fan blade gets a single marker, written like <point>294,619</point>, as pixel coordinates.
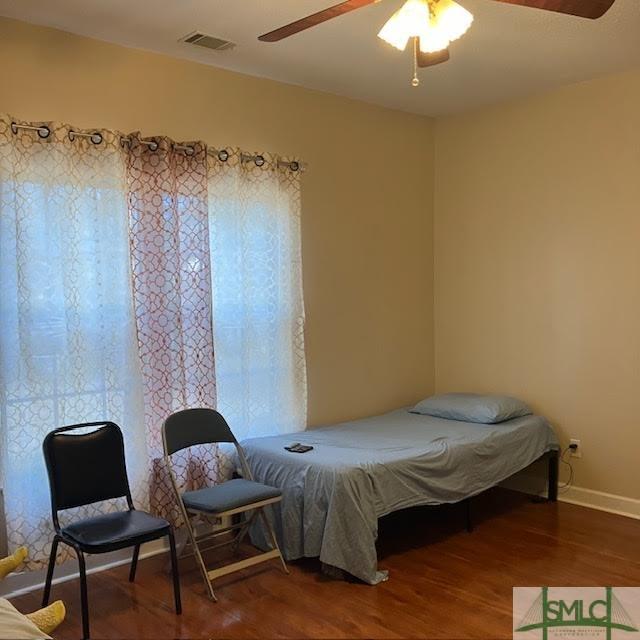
<point>314,19</point>
<point>582,8</point>
<point>429,59</point>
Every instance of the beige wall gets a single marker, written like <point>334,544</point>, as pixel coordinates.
<point>537,230</point>
<point>367,196</point>
<point>537,265</point>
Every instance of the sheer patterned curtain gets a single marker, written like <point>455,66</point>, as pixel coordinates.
<point>68,348</point>
<point>172,295</point>
<point>254,221</point>
<point>118,268</point>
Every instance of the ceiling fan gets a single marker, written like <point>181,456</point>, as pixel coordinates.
<point>431,24</point>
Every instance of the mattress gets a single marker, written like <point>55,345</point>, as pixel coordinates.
<point>362,470</point>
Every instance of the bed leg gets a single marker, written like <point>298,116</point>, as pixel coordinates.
<point>552,488</point>
<point>467,514</point>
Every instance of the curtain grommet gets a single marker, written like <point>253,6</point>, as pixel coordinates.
<point>223,155</point>
<point>153,145</point>
<point>294,166</point>
<point>185,148</point>
<point>259,161</point>
<point>95,137</point>
<point>43,131</point>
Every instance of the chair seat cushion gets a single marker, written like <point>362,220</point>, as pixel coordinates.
<point>228,495</point>
<point>116,530</point>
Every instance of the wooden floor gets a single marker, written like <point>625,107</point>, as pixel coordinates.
<point>444,582</point>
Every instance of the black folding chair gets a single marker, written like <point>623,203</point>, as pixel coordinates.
<point>236,497</point>
<point>89,467</point>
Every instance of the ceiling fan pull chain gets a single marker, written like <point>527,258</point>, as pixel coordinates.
<point>416,81</point>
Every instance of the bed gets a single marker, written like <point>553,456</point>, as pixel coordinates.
<point>361,470</point>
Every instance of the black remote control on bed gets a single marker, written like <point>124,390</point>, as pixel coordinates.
<point>296,447</point>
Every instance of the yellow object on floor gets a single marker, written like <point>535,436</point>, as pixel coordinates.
<point>12,562</point>
<point>49,618</point>
<point>16,626</point>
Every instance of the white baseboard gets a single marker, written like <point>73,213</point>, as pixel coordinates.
<point>18,584</point>
<point>620,505</point>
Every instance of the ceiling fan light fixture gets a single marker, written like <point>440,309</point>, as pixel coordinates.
<point>435,22</point>
<point>450,20</point>
<point>412,20</point>
<point>433,40</point>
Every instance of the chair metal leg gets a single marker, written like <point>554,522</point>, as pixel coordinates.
<point>134,563</point>
<point>50,568</point>
<point>274,541</point>
<point>182,542</point>
<point>84,601</point>
<point>174,573</point>
<point>198,557</point>
<point>242,532</point>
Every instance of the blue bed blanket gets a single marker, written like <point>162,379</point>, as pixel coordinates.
<point>361,470</point>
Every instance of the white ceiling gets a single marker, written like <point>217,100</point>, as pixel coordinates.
<point>510,51</point>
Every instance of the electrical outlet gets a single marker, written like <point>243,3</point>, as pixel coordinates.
<point>576,453</point>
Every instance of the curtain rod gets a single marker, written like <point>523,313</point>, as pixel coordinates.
<point>221,154</point>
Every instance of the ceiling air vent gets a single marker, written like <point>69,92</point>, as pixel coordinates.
<point>209,42</point>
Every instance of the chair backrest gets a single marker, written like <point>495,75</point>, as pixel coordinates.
<point>194,426</point>
<point>85,467</point>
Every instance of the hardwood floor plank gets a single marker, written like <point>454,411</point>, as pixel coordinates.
<point>444,583</point>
